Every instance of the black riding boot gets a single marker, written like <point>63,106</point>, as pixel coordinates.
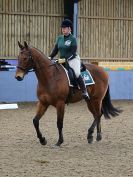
<point>83,87</point>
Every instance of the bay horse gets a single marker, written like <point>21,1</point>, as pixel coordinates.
<point>53,89</point>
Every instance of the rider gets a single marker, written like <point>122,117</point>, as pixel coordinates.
<point>66,44</point>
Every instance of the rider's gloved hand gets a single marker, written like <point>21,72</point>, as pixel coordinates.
<point>61,60</point>
<point>52,60</point>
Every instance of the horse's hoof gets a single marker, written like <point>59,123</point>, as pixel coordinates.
<point>99,137</point>
<point>90,139</point>
<point>43,141</point>
<point>59,143</point>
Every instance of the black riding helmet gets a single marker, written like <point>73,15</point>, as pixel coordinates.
<point>66,23</point>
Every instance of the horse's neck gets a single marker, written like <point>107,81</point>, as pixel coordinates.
<point>42,65</point>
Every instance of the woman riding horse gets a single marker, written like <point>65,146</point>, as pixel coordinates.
<point>53,89</point>
<point>66,44</point>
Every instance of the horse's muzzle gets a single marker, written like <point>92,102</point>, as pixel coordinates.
<point>19,78</point>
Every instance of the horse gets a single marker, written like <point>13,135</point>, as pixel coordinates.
<point>53,89</point>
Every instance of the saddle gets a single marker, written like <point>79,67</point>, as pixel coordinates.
<point>72,80</point>
<point>72,76</point>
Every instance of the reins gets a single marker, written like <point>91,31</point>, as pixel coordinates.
<point>55,63</point>
<point>31,62</point>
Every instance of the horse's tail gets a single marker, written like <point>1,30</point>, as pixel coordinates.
<point>107,107</point>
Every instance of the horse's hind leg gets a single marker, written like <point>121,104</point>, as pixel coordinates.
<point>95,108</point>
<point>99,136</point>
<point>40,111</point>
<point>60,116</point>
<point>91,131</point>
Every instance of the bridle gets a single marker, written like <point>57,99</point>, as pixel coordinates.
<point>30,61</point>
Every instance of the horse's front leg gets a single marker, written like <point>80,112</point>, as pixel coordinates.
<point>41,109</point>
<point>60,116</point>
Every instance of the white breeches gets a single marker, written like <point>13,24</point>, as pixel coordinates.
<point>75,65</point>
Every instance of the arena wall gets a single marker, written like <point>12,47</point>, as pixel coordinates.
<point>121,84</point>
<point>37,22</point>
<point>105,30</point>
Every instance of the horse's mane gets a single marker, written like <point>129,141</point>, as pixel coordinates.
<point>40,52</point>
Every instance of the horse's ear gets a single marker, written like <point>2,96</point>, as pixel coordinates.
<point>20,45</point>
<point>25,45</point>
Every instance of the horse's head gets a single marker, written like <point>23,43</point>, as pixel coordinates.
<point>25,61</point>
